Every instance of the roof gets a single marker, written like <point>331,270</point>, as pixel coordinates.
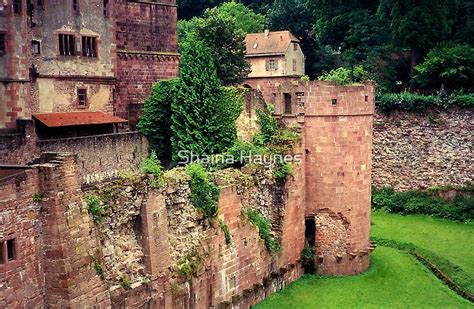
<point>54,120</point>
<point>275,43</point>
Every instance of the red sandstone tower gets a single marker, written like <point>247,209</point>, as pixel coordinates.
<point>337,129</point>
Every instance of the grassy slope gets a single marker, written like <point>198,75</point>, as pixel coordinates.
<point>395,280</point>
<point>451,240</point>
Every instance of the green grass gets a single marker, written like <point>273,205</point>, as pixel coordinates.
<point>395,280</point>
<point>452,240</point>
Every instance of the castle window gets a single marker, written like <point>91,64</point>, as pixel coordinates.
<point>2,43</point>
<point>287,98</point>
<point>295,65</point>
<point>106,8</point>
<point>334,102</point>
<point>67,44</point>
<point>11,253</point>
<point>75,6</point>
<point>295,46</point>
<point>17,7</point>
<point>272,65</point>
<point>89,46</point>
<point>82,97</point>
<point>366,98</point>
<point>36,47</point>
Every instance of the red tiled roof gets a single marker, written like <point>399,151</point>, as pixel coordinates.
<point>276,43</point>
<point>53,120</point>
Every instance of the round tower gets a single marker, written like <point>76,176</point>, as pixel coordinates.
<point>337,131</point>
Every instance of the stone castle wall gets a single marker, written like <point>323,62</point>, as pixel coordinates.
<point>417,151</point>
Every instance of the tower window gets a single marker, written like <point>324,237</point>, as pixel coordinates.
<point>106,8</point>
<point>67,44</point>
<point>89,46</point>
<point>75,6</point>
<point>2,43</point>
<point>287,98</point>
<point>11,253</point>
<point>17,7</point>
<point>36,47</point>
<point>81,97</point>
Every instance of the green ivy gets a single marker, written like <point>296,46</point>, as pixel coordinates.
<point>38,197</point>
<point>151,165</point>
<point>98,268</point>
<point>205,193</point>
<point>188,266</point>
<point>225,230</point>
<point>264,229</point>
<point>282,170</point>
<point>94,207</point>
<point>268,126</point>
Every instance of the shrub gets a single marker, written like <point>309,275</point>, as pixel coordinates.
<point>268,126</point>
<point>97,267</point>
<point>264,229</point>
<point>405,101</point>
<point>151,165</point>
<point>423,202</point>
<point>450,66</point>
<point>188,266</point>
<point>204,192</point>
<point>125,282</point>
<point>38,197</point>
<point>94,207</point>
<point>225,230</point>
<point>345,76</point>
<point>282,170</point>
<point>463,100</point>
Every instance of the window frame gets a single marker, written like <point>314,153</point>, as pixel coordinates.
<point>106,8</point>
<point>36,42</point>
<point>76,8</point>
<point>86,101</point>
<point>5,259</point>
<point>3,50</point>
<point>272,65</point>
<point>287,104</point>
<point>62,46</point>
<point>93,42</point>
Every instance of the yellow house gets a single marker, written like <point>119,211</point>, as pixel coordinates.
<point>274,54</point>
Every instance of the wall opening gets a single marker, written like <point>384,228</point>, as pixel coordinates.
<point>287,99</point>
<point>310,243</point>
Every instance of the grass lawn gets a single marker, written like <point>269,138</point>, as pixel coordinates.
<point>395,280</point>
<point>451,240</point>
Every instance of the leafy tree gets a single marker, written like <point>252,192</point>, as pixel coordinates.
<point>244,18</point>
<point>155,122</point>
<point>417,25</point>
<point>203,113</point>
<point>450,66</point>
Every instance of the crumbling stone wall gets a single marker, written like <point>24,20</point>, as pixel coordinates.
<point>417,151</point>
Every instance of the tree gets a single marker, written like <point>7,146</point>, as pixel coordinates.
<point>245,19</point>
<point>203,113</point>
<point>417,25</point>
<point>155,122</point>
<point>448,66</point>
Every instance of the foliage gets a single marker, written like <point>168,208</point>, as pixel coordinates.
<point>245,18</point>
<point>448,66</point>
<point>282,170</point>
<point>225,230</point>
<point>420,202</point>
<point>307,258</point>
<point>125,282</point>
<point>151,165</point>
<point>344,76</point>
<point>218,31</point>
<point>94,207</point>
<point>415,102</point>
<point>204,192</point>
<point>188,266</point>
<point>204,112</point>
<point>155,123</point>
<point>264,229</point>
<point>268,125</point>
<point>38,197</point>
<point>394,280</point>
<point>97,267</point>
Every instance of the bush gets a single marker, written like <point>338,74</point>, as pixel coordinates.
<point>204,192</point>
<point>264,229</point>
<point>405,101</point>
<point>268,126</point>
<point>94,207</point>
<point>449,66</point>
<point>282,170</point>
<point>463,100</point>
<point>345,76</point>
<point>151,165</point>
<point>421,202</point>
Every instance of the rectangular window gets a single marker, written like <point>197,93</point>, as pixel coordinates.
<point>75,6</point>
<point>272,65</point>
<point>2,43</point>
<point>39,3</point>
<point>295,46</point>
<point>106,8</point>
<point>2,244</point>
<point>36,47</point>
<point>11,253</point>
<point>17,7</point>
<point>295,66</point>
<point>67,44</point>
<point>287,98</point>
<point>89,46</point>
<point>81,97</point>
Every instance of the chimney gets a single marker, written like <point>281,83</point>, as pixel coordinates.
<point>267,32</point>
